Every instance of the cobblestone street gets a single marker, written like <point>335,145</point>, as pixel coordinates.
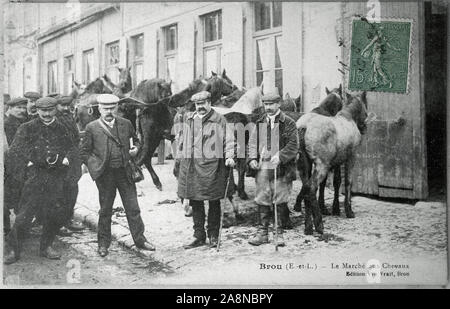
<point>393,233</point>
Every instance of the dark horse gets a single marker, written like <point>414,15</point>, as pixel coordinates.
<point>330,106</point>
<point>156,119</point>
<point>330,142</point>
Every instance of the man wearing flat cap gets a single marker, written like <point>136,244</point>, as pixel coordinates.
<point>273,144</point>
<point>14,117</point>
<point>106,151</point>
<point>41,150</point>
<point>74,174</point>
<point>32,97</point>
<point>204,151</point>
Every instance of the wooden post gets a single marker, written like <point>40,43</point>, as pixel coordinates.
<point>161,152</point>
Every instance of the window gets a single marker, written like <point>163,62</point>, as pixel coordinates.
<point>88,66</point>
<point>267,15</point>
<point>69,72</point>
<point>268,43</point>
<point>112,61</point>
<point>268,63</point>
<point>171,38</point>
<point>137,58</point>
<point>52,77</point>
<point>212,42</point>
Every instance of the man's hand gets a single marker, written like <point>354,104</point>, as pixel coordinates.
<point>275,160</point>
<point>254,165</point>
<point>230,162</point>
<point>65,162</point>
<point>133,151</point>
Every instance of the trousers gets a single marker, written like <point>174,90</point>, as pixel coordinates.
<point>198,216</point>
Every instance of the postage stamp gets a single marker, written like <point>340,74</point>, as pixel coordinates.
<point>380,55</point>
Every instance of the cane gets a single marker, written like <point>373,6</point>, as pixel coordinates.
<point>222,208</point>
<point>275,207</point>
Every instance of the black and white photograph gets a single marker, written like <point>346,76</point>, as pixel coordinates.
<point>259,144</point>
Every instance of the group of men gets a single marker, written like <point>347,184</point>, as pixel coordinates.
<point>43,166</point>
<point>44,157</point>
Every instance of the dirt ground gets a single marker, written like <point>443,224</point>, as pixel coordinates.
<point>392,232</point>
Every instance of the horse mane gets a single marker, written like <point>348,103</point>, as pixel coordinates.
<point>353,109</point>
<point>95,86</point>
<point>329,106</point>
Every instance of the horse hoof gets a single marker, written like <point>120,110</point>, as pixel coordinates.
<point>159,187</point>
<point>336,212</point>
<point>240,217</point>
<point>350,214</point>
<point>309,231</point>
<point>298,207</point>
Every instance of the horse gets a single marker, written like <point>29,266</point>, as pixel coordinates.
<point>330,142</point>
<point>330,106</point>
<point>156,119</point>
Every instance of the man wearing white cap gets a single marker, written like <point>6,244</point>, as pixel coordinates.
<point>106,151</point>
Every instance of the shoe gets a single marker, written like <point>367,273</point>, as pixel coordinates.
<point>196,243</point>
<point>147,246</point>
<point>75,226</point>
<point>259,239</point>
<point>188,211</point>
<point>213,241</point>
<point>50,253</point>
<point>102,251</point>
<point>9,257</point>
<point>64,232</point>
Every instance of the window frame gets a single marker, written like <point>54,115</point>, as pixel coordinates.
<point>84,65</point>
<point>272,69</point>
<point>271,29</point>
<point>165,32</point>
<point>216,44</point>
<point>70,72</point>
<point>135,60</point>
<point>50,85</point>
<point>108,65</point>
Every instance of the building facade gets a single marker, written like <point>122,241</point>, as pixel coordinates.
<point>297,48</point>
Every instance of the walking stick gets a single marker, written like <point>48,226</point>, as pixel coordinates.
<point>275,207</point>
<point>221,209</point>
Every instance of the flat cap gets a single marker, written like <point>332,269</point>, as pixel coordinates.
<point>32,95</point>
<point>201,96</point>
<point>107,99</point>
<point>271,97</point>
<point>65,100</point>
<point>46,102</point>
<point>17,101</point>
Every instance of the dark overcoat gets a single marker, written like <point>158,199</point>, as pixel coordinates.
<point>203,174</point>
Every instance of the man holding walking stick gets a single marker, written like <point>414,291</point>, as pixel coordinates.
<point>273,147</point>
<point>205,151</point>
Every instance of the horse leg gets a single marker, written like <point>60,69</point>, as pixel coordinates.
<point>304,169</point>
<point>241,180</point>
<point>348,189</point>
<point>322,206</point>
<point>318,175</point>
<point>337,185</point>
<point>153,144</point>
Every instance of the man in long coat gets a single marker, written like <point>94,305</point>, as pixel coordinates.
<point>105,149</point>
<point>74,174</point>
<point>14,117</point>
<point>273,144</point>
<point>39,154</point>
<point>204,152</point>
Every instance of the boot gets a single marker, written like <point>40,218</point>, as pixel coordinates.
<point>283,213</point>
<point>9,257</point>
<point>262,235</point>
<point>50,253</point>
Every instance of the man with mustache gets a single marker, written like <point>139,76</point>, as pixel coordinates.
<point>64,115</point>
<point>273,145</point>
<point>204,152</point>
<point>14,117</point>
<point>106,151</point>
<point>32,97</point>
<point>39,154</point>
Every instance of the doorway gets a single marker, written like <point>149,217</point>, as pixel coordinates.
<point>435,96</point>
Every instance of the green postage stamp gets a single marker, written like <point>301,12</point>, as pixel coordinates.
<point>380,55</point>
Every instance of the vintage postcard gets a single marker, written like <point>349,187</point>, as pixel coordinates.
<point>224,144</point>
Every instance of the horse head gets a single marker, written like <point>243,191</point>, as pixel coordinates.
<point>219,86</point>
<point>125,81</point>
<point>164,89</point>
<point>356,105</point>
<point>332,103</point>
